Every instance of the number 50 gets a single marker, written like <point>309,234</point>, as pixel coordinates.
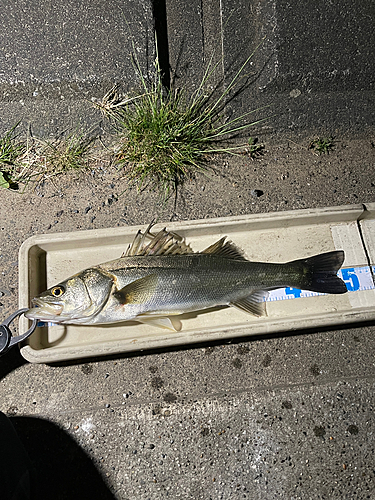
<point>351,279</point>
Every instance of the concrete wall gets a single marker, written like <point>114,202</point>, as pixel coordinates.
<point>56,56</point>
<point>314,66</point>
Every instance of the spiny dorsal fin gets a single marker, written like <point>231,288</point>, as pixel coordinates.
<point>255,303</point>
<point>225,249</point>
<point>163,243</point>
<point>139,242</point>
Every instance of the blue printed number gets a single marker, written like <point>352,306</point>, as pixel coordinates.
<point>296,292</point>
<point>351,279</point>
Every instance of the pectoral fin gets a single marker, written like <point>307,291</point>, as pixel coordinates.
<point>139,291</point>
<point>162,322</point>
<point>255,303</point>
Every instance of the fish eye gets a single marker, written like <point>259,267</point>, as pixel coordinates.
<point>57,291</point>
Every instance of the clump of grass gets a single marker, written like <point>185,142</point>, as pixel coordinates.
<point>322,145</point>
<point>65,153</point>
<point>166,134</point>
<point>36,160</point>
<point>11,149</point>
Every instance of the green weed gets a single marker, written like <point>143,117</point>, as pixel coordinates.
<point>65,153</point>
<point>322,145</point>
<point>36,160</point>
<point>166,135</point>
<point>11,149</point>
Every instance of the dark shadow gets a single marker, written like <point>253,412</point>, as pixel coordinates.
<point>59,468</point>
<point>9,361</point>
<point>161,30</point>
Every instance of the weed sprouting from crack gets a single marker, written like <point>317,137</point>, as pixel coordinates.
<point>166,135</point>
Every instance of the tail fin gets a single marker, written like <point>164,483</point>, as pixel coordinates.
<point>321,272</point>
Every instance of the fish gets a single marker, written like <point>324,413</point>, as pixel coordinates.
<point>160,277</point>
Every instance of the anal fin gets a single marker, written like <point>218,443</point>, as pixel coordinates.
<point>172,324</point>
<point>255,303</point>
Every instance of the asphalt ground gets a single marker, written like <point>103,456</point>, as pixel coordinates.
<point>278,416</point>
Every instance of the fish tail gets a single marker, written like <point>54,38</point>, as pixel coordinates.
<point>320,272</point>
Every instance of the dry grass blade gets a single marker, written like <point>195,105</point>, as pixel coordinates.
<point>65,153</point>
<point>11,149</point>
<point>112,102</point>
<point>36,160</point>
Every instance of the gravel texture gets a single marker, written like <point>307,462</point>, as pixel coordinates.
<point>280,416</point>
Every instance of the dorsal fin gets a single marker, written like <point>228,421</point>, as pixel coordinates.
<point>162,243</point>
<point>139,242</point>
<point>225,249</point>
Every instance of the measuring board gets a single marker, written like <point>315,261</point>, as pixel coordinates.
<point>271,237</point>
<point>355,278</point>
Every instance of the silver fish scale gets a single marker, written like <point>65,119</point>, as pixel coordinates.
<point>197,281</point>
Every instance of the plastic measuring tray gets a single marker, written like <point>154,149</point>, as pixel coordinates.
<point>274,237</point>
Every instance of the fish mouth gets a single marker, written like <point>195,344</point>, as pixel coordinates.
<point>44,310</point>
